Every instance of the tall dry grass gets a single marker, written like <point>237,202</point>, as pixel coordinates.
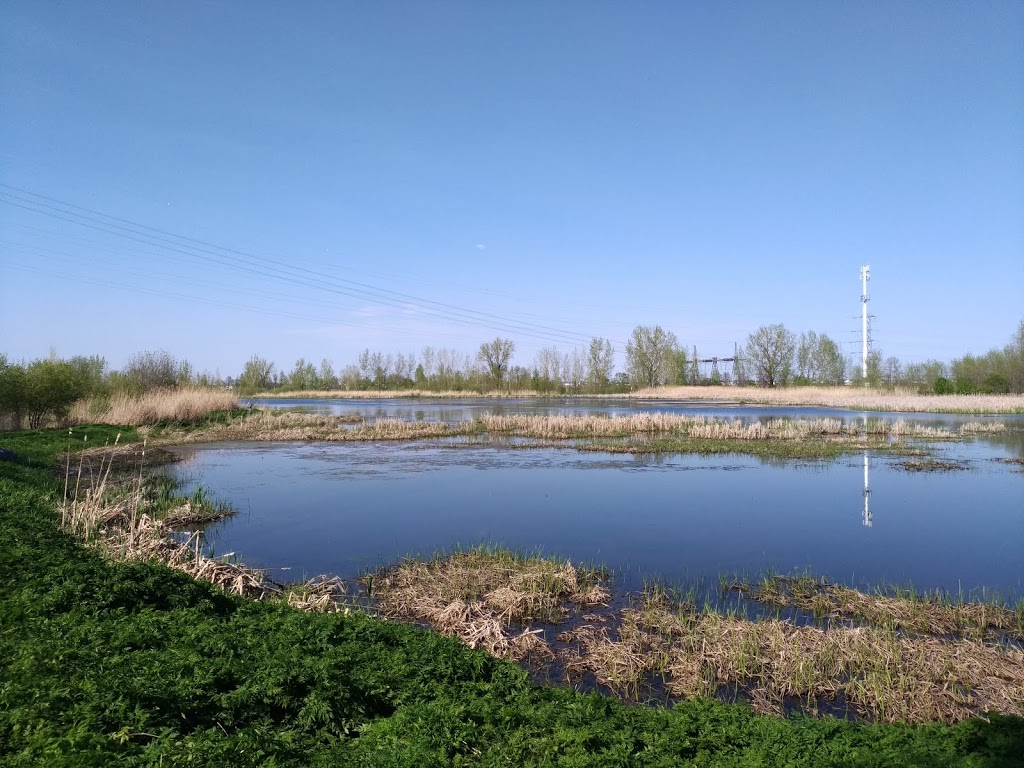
<point>479,595</point>
<point>376,394</point>
<point>853,398</point>
<point>112,514</point>
<point>265,425</point>
<point>700,427</point>
<point>162,405</point>
<point>883,675</point>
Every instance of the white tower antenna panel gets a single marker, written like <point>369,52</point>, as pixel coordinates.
<point>865,275</point>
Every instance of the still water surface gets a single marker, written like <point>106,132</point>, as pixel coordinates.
<point>343,508</point>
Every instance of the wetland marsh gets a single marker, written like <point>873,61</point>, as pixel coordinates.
<point>930,500</point>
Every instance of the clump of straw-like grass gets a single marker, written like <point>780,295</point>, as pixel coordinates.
<point>479,595</point>
<point>379,394</point>
<point>164,405</point>
<point>881,674</point>
<point>269,425</point>
<point>117,517</point>
<point>983,428</point>
<point>853,398</point>
<point>920,613</point>
<point>700,427</point>
<point>321,594</point>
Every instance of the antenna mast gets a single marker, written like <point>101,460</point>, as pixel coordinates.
<point>865,275</point>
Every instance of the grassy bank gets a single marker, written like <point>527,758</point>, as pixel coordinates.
<point>851,398</point>
<point>132,663</point>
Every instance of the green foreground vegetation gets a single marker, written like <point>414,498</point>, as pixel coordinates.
<point>105,663</point>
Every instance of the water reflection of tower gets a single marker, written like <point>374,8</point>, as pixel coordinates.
<point>867,494</point>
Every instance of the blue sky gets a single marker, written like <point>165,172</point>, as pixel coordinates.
<point>545,172</point>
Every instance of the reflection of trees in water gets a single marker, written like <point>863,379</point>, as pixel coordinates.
<point>1013,442</point>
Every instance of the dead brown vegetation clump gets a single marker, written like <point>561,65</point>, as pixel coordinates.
<point>162,405</point>
<point>933,614</point>
<point>482,596</point>
<point>702,428</point>
<point>111,513</point>
<point>881,674</point>
<point>270,425</point>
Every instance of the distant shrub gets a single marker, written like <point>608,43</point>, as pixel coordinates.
<point>943,386</point>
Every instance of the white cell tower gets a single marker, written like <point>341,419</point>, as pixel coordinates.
<point>865,275</point>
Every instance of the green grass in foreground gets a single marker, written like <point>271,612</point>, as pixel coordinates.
<point>107,663</point>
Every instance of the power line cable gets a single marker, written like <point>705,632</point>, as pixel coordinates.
<point>278,270</point>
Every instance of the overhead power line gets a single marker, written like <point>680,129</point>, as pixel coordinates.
<point>197,249</point>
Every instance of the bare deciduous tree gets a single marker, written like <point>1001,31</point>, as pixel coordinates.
<point>496,355</point>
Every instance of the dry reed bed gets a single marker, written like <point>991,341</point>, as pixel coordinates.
<point>378,394</point>
<point>479,596</point>
<point>881,674</point>
<point>701,427</point>
<point>853,398</point>
<point>269,425</point>
<point>918,613</point>
<point>155,407</point>
<point>112,517</point>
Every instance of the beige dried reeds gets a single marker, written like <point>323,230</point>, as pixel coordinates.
<point>983,428</point>
<point>321,594</point>
<point>883,675</point>
<point>112,517</point>
<point>270,425</point>
<point>853,398</point>
<point>123,409</point>
<point>480,595</point>
<point>920,614</point>
<point>378,394</point>
<point>700,427</point>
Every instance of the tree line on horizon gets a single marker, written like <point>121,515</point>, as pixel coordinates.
<point>45,389</point>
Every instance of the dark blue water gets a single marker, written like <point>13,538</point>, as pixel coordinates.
<point>344,508</point>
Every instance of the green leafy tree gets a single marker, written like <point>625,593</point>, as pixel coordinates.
<point>769,354</point>
<point>13,396</point>
<point>303,377</point>
<point>257,376</point>
<point>325,376</point>
<point>600,364</point>
<point>649,355</point>
<point>51,388</point>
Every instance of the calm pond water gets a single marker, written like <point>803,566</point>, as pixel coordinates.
<point>343,508</point>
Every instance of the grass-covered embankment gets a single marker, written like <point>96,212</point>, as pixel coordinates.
<point>107,663</point>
